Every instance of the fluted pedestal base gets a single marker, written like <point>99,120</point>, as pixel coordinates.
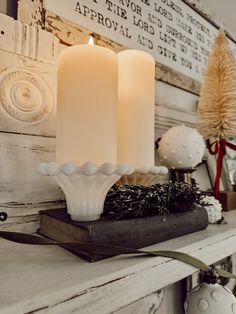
<point>85,186</point>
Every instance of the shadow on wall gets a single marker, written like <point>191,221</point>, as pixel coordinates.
<point>12,8</point>
<point>9,7</point>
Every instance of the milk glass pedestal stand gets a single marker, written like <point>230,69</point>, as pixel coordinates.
<point>85,186</point>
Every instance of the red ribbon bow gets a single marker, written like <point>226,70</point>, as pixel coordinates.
<point>219,147</point>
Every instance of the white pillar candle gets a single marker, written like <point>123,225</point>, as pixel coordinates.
<point>87,105</point>
<point>136,108</point>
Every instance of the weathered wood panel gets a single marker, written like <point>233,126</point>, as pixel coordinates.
<point>174,107</point>
<point>27,41</point>
<point>19,157</point>
<point>22,191</point>
<point>28,224</point>
<point>31,12</point>
<point>3,6</point>
<point>24,217</point>
<point>168,301</point>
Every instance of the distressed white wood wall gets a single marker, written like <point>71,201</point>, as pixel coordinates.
<point>28,53</point>
<point>3,6</point>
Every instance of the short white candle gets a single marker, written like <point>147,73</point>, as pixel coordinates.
<point>87,105</point>
<point>136,108</point>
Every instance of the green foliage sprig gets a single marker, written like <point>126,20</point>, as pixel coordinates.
<point>132,201</point>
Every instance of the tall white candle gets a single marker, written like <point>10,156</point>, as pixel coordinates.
<point>136,108</point>
<point>87,105</point>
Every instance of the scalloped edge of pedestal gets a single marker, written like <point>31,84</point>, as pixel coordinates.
<point>86,169</point>
<point>143,176</point>
<point>153,170</point>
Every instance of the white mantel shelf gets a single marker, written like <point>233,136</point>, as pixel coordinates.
<point>42,279</point>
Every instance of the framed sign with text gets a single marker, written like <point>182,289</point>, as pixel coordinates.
<point>176,35</point>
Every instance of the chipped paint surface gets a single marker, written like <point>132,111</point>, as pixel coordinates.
<point>27,121</point>
<point>31,12</point>
<point>67,284</point>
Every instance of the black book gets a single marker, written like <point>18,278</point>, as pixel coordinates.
<point>132,233</point>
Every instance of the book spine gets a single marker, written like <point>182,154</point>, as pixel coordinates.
<point>147,231</point>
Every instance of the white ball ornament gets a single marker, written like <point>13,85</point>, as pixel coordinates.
<point>213,208</point>
<point>210,299</point>
<point>181,147</point>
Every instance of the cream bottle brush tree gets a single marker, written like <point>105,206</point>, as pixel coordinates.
<point>217,102</point>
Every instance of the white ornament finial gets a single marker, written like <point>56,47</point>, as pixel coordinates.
<point>181,147</point>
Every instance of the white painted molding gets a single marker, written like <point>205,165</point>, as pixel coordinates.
<point>25,96</point>
<point>27,78</point>
<point>31,12</point>
<point>27,41</point>
<point>27,122</point>
<point>174,106</point>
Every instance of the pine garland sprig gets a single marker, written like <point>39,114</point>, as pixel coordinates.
<point>133,201</point>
